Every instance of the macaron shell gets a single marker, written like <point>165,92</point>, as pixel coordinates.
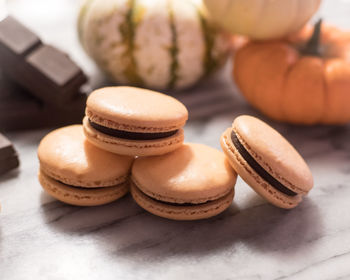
<point>135,109</point>
<point>132,147</point>
<point>67,156</point>
<point>274,153</point>
<point>80,196</point>
<point>178,212</point>
<point>194,173</point>
<point>253,179</point>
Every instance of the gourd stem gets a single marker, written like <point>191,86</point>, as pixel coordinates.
<point>312,47</point>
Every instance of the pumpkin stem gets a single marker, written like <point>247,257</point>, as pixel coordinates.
<point>312,47</point>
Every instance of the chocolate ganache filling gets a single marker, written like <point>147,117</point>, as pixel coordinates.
<point>86,188</point>
<point>131,135</point>
<point>258,168</point>
<point>171,203</point>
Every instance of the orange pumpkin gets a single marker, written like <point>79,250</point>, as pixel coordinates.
<point>304,79</point>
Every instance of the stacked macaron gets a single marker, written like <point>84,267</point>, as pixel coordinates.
<point>134,137</point>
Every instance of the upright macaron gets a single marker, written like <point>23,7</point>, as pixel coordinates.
<point>76,172</point>
<point>193,182</point>
<point>134,121</point>
<point>267,161</point>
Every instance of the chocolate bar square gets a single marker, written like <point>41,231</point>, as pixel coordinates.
<point>17,37</point>
<point>6,148</point>
<point>19,110</point>
<point>8,155</point>
<point>46,72</point>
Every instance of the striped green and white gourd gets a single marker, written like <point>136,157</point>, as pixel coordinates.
<point>157,44</point>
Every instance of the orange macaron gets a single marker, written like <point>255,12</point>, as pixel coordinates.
<point>267,162</point>
<point>134,121</point>
<point>194,182</point>
<point>76,172</point>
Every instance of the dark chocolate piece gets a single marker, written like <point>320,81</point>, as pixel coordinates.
<point>8,155</point>
<point>131,135</point>
<point>17,37</point>
<point>19,110</point>
<point>258,168</point>
<point>6,148</point>
<point>8,164</point>
<point>44,71</point>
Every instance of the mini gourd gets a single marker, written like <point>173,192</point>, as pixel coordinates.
<point>157,44</point>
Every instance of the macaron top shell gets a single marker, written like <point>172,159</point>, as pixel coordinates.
<point>66,155</point>
<point>135,109</point>
<point>194,173</point>
<point>274,153</point>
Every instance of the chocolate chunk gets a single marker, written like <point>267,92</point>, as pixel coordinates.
<point>17,37</point>
<point>131,135</point>
<point>53,64</point>
<point>44,71</point>
<point>6,148</point>
<point>258,168</point>
<point>8,164</point>
<point>8,155</point>
<point>20,110</point>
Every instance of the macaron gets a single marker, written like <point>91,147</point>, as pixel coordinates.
<point>76,172</point>
<point>267,162</point>
<point>134,121</point>
<point>194,182</point>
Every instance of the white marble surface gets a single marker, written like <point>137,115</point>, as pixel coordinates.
<point>41,238</point>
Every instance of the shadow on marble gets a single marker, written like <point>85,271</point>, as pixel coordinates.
<point>28,137</point>
<point>122,228</point>
<point>12,174</point>
<point>269,229</point>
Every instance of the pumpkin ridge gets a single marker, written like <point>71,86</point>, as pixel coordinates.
<point>208,60</point>
<point>323,118</point>
<point>259,66</point>
<point>127,31</point>
<point>81,17</point>
<point>249,94</point>
<point>237,57</point>
<point>289,56</point>
<point>337,93</point>
<point>174,49</point>
<point>284,85</point>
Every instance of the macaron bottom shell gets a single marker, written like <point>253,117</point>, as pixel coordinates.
<point>183,212</point>
<point>248,174</point>
<point>80,196</point>
<point>132,147</point>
